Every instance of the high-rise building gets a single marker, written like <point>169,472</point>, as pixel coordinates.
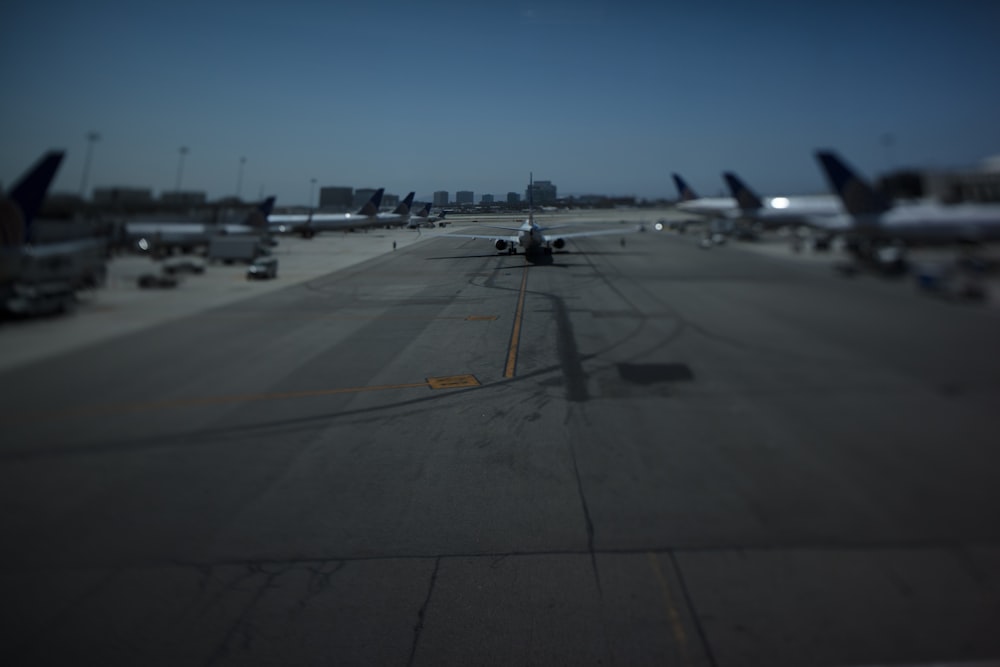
<point>542,192</point>
<point>441,198</point>
<point>513,198</point>
<point>486,199</point>
<point>465,197</point>
<point>336,198</point>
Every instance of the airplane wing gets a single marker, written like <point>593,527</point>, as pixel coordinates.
<point>509,238</point>
<point>594,232</point>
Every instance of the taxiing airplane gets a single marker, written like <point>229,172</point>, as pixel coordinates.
<point>535,239</point>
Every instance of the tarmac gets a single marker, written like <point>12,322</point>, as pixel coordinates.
<point>635,451</point>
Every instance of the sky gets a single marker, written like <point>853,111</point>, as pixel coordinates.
<point>598,97</point>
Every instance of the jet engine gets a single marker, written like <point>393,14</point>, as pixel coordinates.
<point>501,244</point>
<point>559,243</point>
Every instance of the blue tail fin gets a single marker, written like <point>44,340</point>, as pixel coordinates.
<point>684,190</point>
<point>27,195</point>
<point>424,211</point>
<point>746,198</point>
<point>258,217</point>
<point>404,206</point>
<point>858,196</point>
<point>371,208</point>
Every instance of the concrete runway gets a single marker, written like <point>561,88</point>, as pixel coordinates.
<point>638,454</point>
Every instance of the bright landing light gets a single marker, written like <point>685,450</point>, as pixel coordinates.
<point>779,202</point>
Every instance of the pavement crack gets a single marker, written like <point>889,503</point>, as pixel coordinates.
<point>419,627</point>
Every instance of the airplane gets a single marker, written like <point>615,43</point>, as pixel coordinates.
<point>532,238</point>
<point>822,212</point>
<point>690,202</point>
<point>876,225</point>
<point>38,278</point>
<point>423,218</point>
<point>400,215</point>
<point>187,236</point>
<point>367,216</point>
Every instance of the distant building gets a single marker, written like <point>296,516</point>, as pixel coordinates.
<point>465,197</point>
<point>390,202</point>
<point>336,198</point>
<point>486,199</point>
<point>513,198</point>
<point>977,184</point>
<point>119,195</point>
<point>441,198</point>
<point>542,193</point>
<point>180,197</point>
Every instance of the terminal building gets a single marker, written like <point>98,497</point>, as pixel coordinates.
<point>336,198</point>
<point>182,197</point>
<point>125,195</point>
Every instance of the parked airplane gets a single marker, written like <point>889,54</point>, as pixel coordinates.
<point>166,235</point>
<point>875,223</point>
<point>307,224</point>
<point>423,218</point>
<point>532,238</point>
<point>690,202</point>
<point>776,212</point>
<point>400,215</point>
<point>36,277</point>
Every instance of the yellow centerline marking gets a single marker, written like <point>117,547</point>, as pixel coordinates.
<point>444,382</point>
<point>675,617</point>
<point>515,335</point>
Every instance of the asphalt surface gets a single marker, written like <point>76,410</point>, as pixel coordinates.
<point>628,453</point>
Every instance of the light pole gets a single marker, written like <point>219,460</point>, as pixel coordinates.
<point>312,185</point>
<point>180,167</point>
<point>239,178</point>
<point>91,138</point>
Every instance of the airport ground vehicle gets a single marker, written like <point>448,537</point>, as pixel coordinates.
<point>236,248</point>
<point>263,268</point>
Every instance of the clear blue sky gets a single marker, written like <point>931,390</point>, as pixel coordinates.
<point>606,97</point>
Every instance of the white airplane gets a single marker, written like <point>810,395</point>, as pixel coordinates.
<point>690,202</point>
<point>400,215</point>
<point>775,212</point>
<point>36,277</point>
<point>875,222</point>
<point>307,224</point>
<point>423,218</point>
<point>188,235</point>
<point>532,238</point>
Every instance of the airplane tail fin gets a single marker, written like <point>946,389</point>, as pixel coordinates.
<point>404,206</point>
<point>424,211</point>
<point>858,196</point>
<point>684,190</point>
<point>27,197</point>
<point>746,198</point>
<point>531,197</point>
<point>371,208</point>
<point>258,216</point>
